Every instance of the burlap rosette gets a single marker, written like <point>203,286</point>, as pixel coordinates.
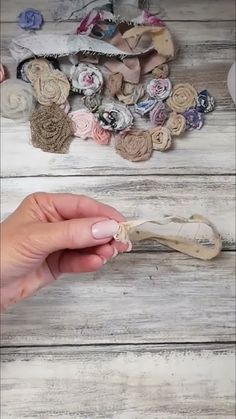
<point>182,97</point>
<point>130,94</point>
<point>17,100</point>
<point>114,83</point>
<point>39,67</point>
<point>51,129</point>
<point>30,69</point>
<point>161,138</point>
<point>134,145</point>
<point>161,71</point>
<point>52,87</point>
<point>176,124</point>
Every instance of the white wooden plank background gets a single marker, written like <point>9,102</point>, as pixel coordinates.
<point>210,151</point>
<point>149,296</point>
<point>128,382</point>
<point>167,9</point>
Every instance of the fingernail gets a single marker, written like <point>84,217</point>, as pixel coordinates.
<point>129,248</point>
<point>104,261</point>
<point>115,252</point>
<point>105,229</point>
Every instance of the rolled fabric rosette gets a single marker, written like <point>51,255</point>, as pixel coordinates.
<point>51,129</point>
<point>17,100</point>
<point>134,145</point>
<point>183,96</point>
<point>115,117</point>
<point>83,123</point>
<point>159,88</point>
<point>52,87</point>
<point>86,79</point>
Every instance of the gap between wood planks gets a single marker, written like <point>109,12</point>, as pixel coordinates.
<point>121,175</point>
<point>121,344</point>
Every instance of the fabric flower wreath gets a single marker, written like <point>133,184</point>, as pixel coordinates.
<point>52,87</point>
<point>30,19</point>
<point>51,129</point>
<point>134,145</point>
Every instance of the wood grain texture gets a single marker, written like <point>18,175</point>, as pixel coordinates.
<point>179,10</point>
<point>148,197</point>
<point>209,151</point>
<point>151,297</point>
<point>127,382</point>
<point>168,10</point>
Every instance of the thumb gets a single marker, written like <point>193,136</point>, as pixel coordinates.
<point>73,234</point>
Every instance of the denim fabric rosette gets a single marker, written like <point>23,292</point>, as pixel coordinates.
<point>30,19</point>
<point>193,118</point>
<point>205,102</point>
<point>145,106</point>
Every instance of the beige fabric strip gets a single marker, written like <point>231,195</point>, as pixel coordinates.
<point>131,231</point>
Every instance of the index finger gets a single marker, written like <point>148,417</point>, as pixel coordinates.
<point>79,206</point>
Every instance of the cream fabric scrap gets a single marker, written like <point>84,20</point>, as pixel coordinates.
<point>46,44</point>
<point>131,231</point>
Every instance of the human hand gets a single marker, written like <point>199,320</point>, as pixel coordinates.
<point>51,234</point>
